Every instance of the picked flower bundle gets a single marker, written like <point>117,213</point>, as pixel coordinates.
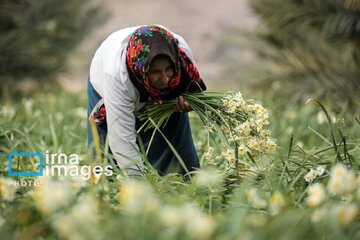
<point>242,123</point>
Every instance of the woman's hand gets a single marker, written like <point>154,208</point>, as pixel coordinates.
<point>183,106</point>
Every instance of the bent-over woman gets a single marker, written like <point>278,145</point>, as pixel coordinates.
<point>132,67</point>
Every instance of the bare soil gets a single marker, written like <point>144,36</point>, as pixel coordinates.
<point>205,25</point>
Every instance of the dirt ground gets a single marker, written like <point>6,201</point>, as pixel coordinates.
<point>203,23</point>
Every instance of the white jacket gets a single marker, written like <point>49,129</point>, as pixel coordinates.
<point>110,78</point>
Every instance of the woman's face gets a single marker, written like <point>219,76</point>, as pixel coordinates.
<point>161,72</point>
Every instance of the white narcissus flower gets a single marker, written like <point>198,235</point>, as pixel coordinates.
<point>341,180</point>
<point>334,186</point>
<point>346,214</point>
<point>51,195</point>
<point>316,194</point>
<point>7,189</point>
<point>260,121</point>
<point>227,132</point>
<point>242,149</point>
<point>225,102</point>
<point>258,107</point>
<point>264,133</point>
<point>270,146</point>
<point>208,155</point>
<point>137,197</point>
<point>64,226</point>
<point>76,182</point>
<point>238,138</point>
<point>28,104</point>
<point>320,170</point>
<point>201,227</point>
<point>208,178</point>
<point>239,128</point>
<point>338,171</point>
<point>196,223</point>
<point>171,217</point>
<point>8,111</point>
<point>320,118</point>
<point>231,158</point>
<point>317,215</point>
<point>259,203</point>
<point>351,180</point>
<point>130,193</point>
<point>250,107</point>
<point>254,199</point>
<point>238,96</point>
<point>211,162</point>
<point>230,152</point>
<point>246,126</point>
<point>242,102</point>
<point>307,178</point>
<point>81,112</point>
<point>96,178</point>
<point>310,176</point>
<point>251,194</point>
<point>276,202</point>
<point>85,210</point>
<point>230,166</point>
<point>83,215</point>
<point>232,105</point>
<point>333,119</point>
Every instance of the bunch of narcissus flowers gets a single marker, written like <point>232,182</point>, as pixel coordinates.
<point>239,123</point>
<point>243,127</point>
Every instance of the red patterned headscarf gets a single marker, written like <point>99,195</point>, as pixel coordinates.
<point>145,44</point>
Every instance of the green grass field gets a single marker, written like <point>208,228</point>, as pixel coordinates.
<point>282,195</point>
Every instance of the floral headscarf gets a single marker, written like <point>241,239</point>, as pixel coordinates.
<point>145,44</point>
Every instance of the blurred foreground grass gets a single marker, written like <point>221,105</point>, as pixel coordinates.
<point>273,202</point>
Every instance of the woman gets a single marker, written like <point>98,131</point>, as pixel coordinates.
<point>131,67</point>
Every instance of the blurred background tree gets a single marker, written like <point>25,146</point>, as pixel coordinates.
<point>309,47</point>
<point>37,36</point>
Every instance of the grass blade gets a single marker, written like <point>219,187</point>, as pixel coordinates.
<point>172,148</point>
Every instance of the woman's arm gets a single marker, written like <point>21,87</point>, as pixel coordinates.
<point>120,120</point>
